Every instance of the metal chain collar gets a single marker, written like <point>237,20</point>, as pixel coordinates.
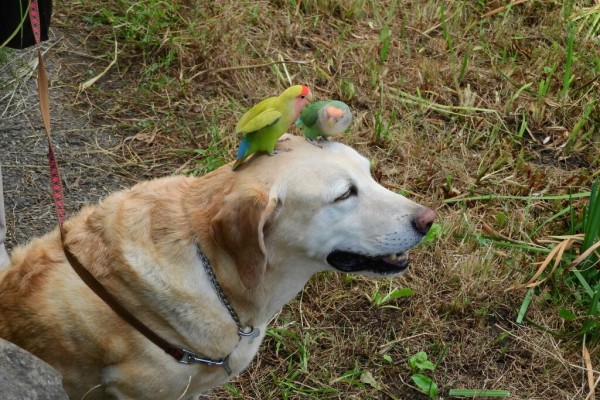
<point>253,332</point>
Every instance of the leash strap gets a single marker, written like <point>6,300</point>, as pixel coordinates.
<point>180,354</point>
<point>57,189</point>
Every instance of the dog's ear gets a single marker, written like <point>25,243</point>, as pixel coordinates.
<point>239,227</point>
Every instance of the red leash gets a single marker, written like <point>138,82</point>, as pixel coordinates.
<point>57,190</point>
<point>179,353</point>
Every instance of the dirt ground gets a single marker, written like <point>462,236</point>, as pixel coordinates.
<point>86,152</point>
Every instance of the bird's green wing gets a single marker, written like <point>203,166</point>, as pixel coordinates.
<point>311,112</point>
<point>265,118</point>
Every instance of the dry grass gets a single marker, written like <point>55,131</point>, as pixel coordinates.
<point>451,99</point>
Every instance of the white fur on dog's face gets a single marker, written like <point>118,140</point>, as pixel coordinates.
<point>343,209</point>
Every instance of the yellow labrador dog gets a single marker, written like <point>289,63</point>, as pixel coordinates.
<point>204,263</point>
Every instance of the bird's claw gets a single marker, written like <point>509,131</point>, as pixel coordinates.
<point>282,150</point>
<point>315,142</point>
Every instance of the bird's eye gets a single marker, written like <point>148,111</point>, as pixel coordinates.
<point>302,97</point>
<point>352,191</point>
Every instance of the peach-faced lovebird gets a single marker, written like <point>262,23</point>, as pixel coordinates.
<point>263,124</point>
<point>324,118</point>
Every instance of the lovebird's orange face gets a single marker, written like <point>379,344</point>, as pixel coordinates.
<point>301,100</point>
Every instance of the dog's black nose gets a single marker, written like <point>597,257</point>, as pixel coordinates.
<point>423,220</point>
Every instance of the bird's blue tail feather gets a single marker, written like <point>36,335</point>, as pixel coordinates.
<point>244,147</point>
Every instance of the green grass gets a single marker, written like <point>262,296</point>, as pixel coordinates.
<point>487,113</point>
<point>470,393</point>
<point>572,264</point>
<point>567,77</point>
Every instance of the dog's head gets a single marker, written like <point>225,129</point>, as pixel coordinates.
<point>318,207</point>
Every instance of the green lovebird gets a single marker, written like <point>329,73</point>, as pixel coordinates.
<point>263,124</point>
<point>324,118</point>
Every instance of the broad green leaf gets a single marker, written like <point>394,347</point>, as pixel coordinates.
<point>420,362</point>
<point>397,294</point>
<point>567,315</point>
<point>425,384</point>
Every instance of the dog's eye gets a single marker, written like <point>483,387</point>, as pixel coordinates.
<point>352,191</point>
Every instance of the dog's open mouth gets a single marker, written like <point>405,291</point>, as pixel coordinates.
<point>352,262</point>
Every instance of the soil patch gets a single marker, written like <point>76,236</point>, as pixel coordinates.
<point>87,153</point>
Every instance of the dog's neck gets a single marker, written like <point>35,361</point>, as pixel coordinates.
<point>258,305</point>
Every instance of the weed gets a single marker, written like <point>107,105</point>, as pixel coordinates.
<point>445,32</point>
<point>575,133</point>
<point>419,364</point>
<point>378,298</point>
<point>347,90</point>
<point>434,234</point>
<point>567,77</point>
<point>352,377</point>
<point>589,19</point>
<point>288,340</point>
<point>544,85</point>
<point>382,128</point>
<point>385,39</point>
<point>463,67</point>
